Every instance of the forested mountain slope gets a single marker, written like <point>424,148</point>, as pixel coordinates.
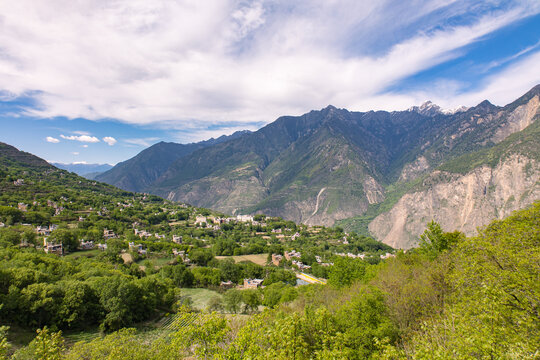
<point>350,167</point>
<point>137,173</point>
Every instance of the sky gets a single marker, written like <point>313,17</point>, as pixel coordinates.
<point>99,81</point>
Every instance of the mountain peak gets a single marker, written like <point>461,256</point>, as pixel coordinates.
<point>485,104</point>
<point>427,108</point>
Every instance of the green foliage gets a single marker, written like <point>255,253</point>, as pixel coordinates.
<point>434,241</point>
<point>493,311</point>
<point>47,345</point>
<point>65,237</point>
<point>232,300</point>
<point>346,270</point>
<point>204,337</point>
<point>278,293</point>
<point>252,299</point>
<point>279,276</point>
<point>123,344</point>
<point>204,276</point>
<point>201,257</point>
<point>4,344</point>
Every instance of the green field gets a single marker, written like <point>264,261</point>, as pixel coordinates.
<point>87,253</point>
<point>200,297</point>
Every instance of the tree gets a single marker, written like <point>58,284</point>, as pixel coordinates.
<point>201,257</point>
<point>4,344</point>
<point>229,270</point>
<point>215,304</point>
<point>252,300</point>
<point>433,240</point>
<point>29,237</point>
<point>48,345</point>
<point>232,300</point>
<point>277,293</point>
<point>345,271</point>
<point>276,275</point>
<point>66,237</point>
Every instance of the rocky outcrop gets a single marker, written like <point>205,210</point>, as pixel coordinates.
<point>412,170</point>
<point>518,119</point>
<point>461,202</point>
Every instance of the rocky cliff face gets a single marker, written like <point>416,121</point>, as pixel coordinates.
<point>461,202</point>
<point>518,119</point>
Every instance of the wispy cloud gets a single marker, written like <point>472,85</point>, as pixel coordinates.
<point>196,64</point>
<point>109,140</point>
<point>81,138</point>
<point>141,142</point>
<point>52,140</point>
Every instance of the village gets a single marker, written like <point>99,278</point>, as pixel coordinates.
<point>277,243</point>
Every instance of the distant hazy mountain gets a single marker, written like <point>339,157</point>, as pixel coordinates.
<point>137,173</point>
<point>89,171</point>
<point>391,172</point>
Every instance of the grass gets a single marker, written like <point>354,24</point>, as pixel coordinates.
<point>161,260</point>
<point>259,259</point>
<point>86,253</point>
<point>157,260</point>
<point>200,297</point>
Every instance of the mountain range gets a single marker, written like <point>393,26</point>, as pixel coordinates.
<point>89,171</point>
<point>377,172</point>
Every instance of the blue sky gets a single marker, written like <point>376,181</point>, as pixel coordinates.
<point>101,80</point>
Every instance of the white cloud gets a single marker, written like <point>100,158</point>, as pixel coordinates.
<point>109,140</point>
<point>52,140</point>
<point>84,146</point>
<point>81,138</point>
<point>141,142</point>
<point>78,162</point>
<point>225,60</point>
<point>75,153</point>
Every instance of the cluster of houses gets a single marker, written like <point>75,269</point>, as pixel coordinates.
<point>293,255</point>
<point>138,248</point>
<point>252,283</point>
<point>248,284</point>
<point>300,265</point>
<point>86,245</point>
<point>182,254</point>
<point>46,230</point>
<point>276,259</point>
<point>362,256</point>
<point>352,256</point>
<point>320,262</point>
<point>209,220</point>
<point>146,234</point>
<point>109,234</point>
<point>52,248</point>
